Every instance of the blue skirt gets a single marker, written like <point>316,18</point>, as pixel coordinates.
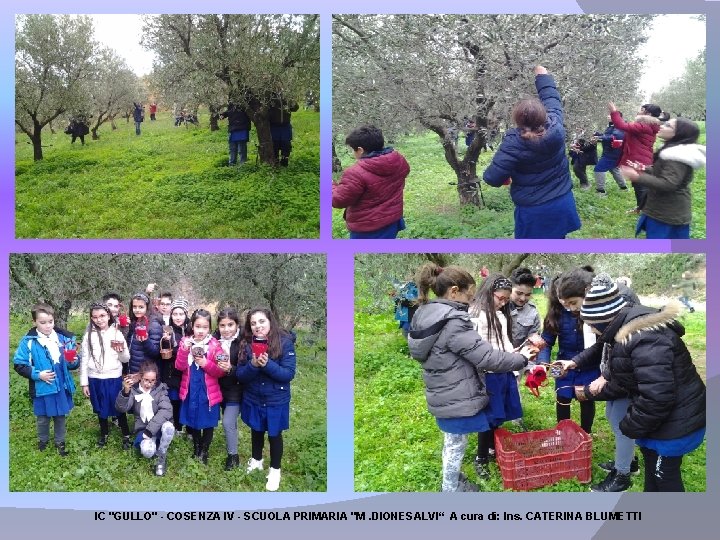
<point>103,393</point>
<point>465,424</point>
<point>195,409</point>
<point>387,232</point>
<point>271,418</point>
<point>674,447</point>
<point>504,396</point>
<point>580,377</point>
<point>57,404</point>
<point>655,229</point>
<point>553,219</point>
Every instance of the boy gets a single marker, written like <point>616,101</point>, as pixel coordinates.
<point>371,191</point>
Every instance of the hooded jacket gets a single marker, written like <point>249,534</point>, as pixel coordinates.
<point>639,137</point>
<point>31,358</point>
<point>669,199</point>
<point>453,355</point>
<point>372,191</point>
<point>645,358</point>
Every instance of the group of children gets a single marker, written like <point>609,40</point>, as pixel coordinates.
<point>472,345</point>
<point>169,369</point>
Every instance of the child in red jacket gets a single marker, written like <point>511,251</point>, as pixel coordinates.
<point>371,191</point>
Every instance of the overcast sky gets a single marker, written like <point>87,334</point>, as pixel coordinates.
<point>673,40</point>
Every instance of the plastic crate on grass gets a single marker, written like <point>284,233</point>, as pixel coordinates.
<point>539,458</point>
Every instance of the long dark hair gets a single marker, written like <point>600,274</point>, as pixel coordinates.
<point>686,132</point>
<point>92,327</point>
<point>551,323</point>
<point>273,337</point>
<point>574,282</point>
<point>143,298</point>
<point>485,301</point>
<point>186,328</point>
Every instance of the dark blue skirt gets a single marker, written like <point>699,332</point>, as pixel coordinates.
<point>57,404</point>
<point>103,393</point>
<point>273,418</point>
<point>195,409</point>
<point>580,377</point>
<point>553,219</point>
<point>387,232</point>
<point>504,396</point>
<point>656,230</point>
<point>465,424</point>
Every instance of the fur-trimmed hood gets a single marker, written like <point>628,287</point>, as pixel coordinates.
<point>647,120</point>
<point>653,320</point>
<point>692,155</point>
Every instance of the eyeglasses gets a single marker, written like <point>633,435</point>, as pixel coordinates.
<point>166,303</point>
<point>149,381</point>
<point>502,299</point>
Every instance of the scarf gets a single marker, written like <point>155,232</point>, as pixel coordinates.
<point>225,343</point>
<point>145,400</point>
<point>195,343</point>
<point>51,344</point>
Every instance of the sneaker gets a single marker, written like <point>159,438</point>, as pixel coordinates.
<point>482,468</point>
<point>126,442</point>
<point>61,449</point>
<point>609,466</point>
<point>254,465</point>
<point>102,441</point>
<point>614,483</point>
<point>491,454</point>
<point>466,485</point>
<point>601,193</point>
<point>232,461</point>
<point>160,464</point>
<point>273,479</point>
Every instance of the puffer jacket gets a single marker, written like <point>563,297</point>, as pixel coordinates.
<point>230,386</point>
<point>144,350</point>
<point>612,134</point>
<point>645,357</point>
<point>538,167</point>
<point>212,371</point>
<point>453,356</point>
<point>668,181</point>
<point>31,358</point>
<point>639,138</point>
<point>570,339</point>
<point>371,190</point>
<point>162,407</point>
<point>269,385</point>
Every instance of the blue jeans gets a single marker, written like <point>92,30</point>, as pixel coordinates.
<point>137,128</point>
<point>235,148</point>
<point>615,411</point>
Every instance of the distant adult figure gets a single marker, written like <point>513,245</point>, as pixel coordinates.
<point>138,116</point>
<point>238,132</point>
<point>582,154</point>
<point>281,128</point>
<point>612,147</point>
<point>153,110</point>
<point>78,128</point>
<point>687,287</point>
<point>532,159</point>
<point>177,113</point>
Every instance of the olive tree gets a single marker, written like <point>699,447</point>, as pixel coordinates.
<point>685,95</point>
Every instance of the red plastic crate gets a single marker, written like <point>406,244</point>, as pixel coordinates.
<point>539,458</point>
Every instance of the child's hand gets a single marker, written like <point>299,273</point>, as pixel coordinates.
<point>185,344</point>
<point>226,366</point>
<point>597,385</point>
<point>47,375</point>
<point>566,364</point>
<point>201,361</point>
<point>540,70</point>
<point>262,360</point>
<point>629,173</point>
<point>611,107</point>
<point>128,381</point>
<point>528,351</point>
<point>86,391</point>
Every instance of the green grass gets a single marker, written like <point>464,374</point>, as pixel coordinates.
<point>166,183</point>
<point>432,209</point>
<point>398,444</point>
<point>89,469</point>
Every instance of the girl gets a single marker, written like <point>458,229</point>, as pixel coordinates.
<point>228,333</point>
<point>533,155</point>
<point>566,327</point>
<point>44,356</point>
<point>144,333</point>
<point>151,406</point>
<point>169,374</point>
<point>641,353</point>
<point>199,388</point>
<point>491,313</point>
<point>443,339</point>
<point>103,355</point>
<point>667,210</point>
<point>266,367</point>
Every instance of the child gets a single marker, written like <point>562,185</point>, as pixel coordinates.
<point>151,406</point>
<point>667,210</point>
<point>144,333</point>
<point>491,314</point>
<point>573,337</point>
<point>180,324</point>
<point>612,145</point>
<point>228,334</point>
<point>44,356</point>
<point>266,367</point>
<point>199,388</point>
<point>103,355</point>
<point>443,339</point>
<point>371,191</point>
<point>583,153</point>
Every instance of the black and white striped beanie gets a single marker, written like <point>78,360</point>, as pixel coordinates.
<point>602,302</point>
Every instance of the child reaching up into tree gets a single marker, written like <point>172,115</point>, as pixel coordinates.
<point>266,367</point>
<point>44,357</point>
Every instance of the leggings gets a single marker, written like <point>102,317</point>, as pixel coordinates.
<point>486,441</point>
<point>453,451</point>
<point>122,422</point>
<point>662,473</point>
<point>229,422</point>
<point>276,447</point>
<point>203,436</point>
<point>587,412</point>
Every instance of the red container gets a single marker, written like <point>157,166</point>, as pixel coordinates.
<point>123,320</point>
<point>141,332</point>
<point>539,458</point>
<point>70,354</point>
<point>258,347</point>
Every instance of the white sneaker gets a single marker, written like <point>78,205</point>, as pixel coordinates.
<point>273,479</point>
<point>254,465</point>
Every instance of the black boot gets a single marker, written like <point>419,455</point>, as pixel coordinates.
<point>126,442</point>
<point>613,483</point>
<point>204,454</point>
<point>196,449</point>
<point>102,441</point>
<point>61,449</point>
<point>232,461</point>
<point>160,464</point>
<point>42,445</point>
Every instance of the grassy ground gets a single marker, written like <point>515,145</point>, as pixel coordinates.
<point>432,209</point>
<point>166,183</point>
<point>90,469</point>
<point>398,444</point>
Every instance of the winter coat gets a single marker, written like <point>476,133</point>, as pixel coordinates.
<point>645,357</point>
<point>31,358</point>
<point>169,374</point>
<point>538,167</point>
<point>611,134</point>
<point>371,190</point>
<point>98,365</point>
<point>211,369</point>
<point>78,128</point>
<point>144,350</point>
<point>279,112</point>
<point>138,114</point>
<point>269,385</point>
<point>571,340</point>
<point>453,355</point>
<point>525,321</point>
<point>238,119</point>
<point>162,407</point>
<point>639,138</point>
<point>584,156</point>
<point>230,386</point>
<point>668,182</point>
